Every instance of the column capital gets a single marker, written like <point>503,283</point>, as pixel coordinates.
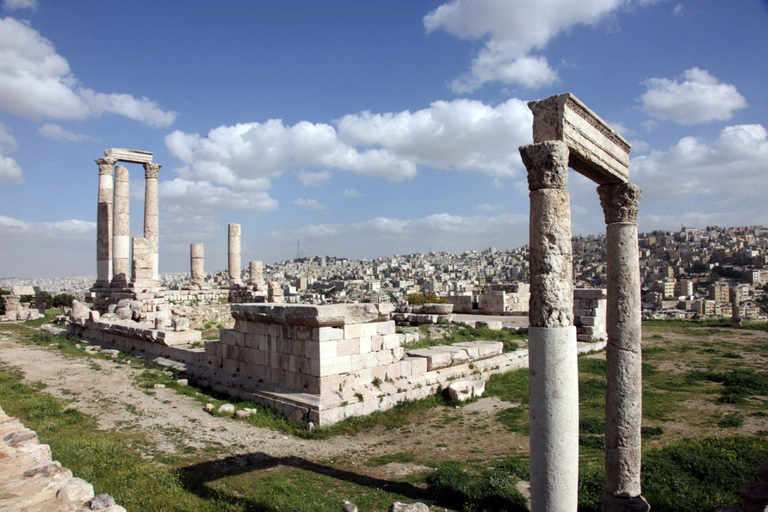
<point>620,202</point>
<point>547,164</point>
<point>106,165</point>
<point>151,171</point>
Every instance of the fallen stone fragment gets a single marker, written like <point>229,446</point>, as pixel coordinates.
<point>349,506</point>
<point>408,507</point>
<point>101,501</point>
<point>208,408</point>
<point>466,389</point>
<point>159,386</point>
<point>75,489</point>
<point>242,414</point>
<point>182,382</point>
<point>226,409</point>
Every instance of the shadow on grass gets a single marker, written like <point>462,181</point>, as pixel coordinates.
<point>197,479</point>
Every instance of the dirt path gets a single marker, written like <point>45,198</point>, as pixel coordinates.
<point>176,423</point>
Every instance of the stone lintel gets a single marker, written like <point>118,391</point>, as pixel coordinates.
<point>596,150</point>
<point>129,155</point>
<point>330,315</point>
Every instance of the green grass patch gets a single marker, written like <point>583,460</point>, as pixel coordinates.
<point>390,458</point>
<point>456,486</point>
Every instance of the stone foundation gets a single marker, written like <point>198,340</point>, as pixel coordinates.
<point>313,363</point>
<point>589,307</point>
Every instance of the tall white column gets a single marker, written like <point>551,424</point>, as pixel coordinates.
<point>553,370</point>
<point>121,229</point>
<point>151,216</point>
<point>624,393</point>
<point>234,254</point>
<point>104,223</point>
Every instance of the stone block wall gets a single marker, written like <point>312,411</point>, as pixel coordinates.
<point>589,307</point>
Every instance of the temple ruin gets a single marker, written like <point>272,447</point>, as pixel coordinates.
<point>326,363</point>
<point>567,133</point>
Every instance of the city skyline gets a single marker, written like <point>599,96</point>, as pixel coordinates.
<point>364,130</point>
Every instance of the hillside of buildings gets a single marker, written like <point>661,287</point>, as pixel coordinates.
<point>685,274</point>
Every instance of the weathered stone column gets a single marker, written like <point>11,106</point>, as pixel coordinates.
<point>121,230</point>
<point>196,265</point>
<point>234,254</point>
<point>104,223</point>
<point>151,215</point>
<point>733,294</point>
<point>623,398</point>
<point>256,275</point>
<point>553,370</point>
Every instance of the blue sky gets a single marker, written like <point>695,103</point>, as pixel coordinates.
<point>364,128</point>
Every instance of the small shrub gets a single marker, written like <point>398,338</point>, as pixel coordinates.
<point>733,420</point>
<point>646,432</point>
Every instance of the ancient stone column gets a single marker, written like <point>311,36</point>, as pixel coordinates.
<point>234,254</point>
<point>104,223</point>
<point>623,398</point>
<point>735,306</point>
<point>256,275</point>
<point>121,229</point>
<point>151,215</point>
<point>196,265</point>
<point>553,370</point>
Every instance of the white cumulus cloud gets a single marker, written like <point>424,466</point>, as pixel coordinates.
<point>37,83</point>
<point>308,204</point>
<point>351,192</point>
<point>513,33</point>
<point>9,169</point>
<point>734,165</point>
<point>56,132</point>
<point>184,196</point>
<point>698,98</point>
<point>460,134</point>
<point>310,178</point>
<point>14,5</point>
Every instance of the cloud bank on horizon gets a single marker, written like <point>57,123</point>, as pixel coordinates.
<point>443,175</point>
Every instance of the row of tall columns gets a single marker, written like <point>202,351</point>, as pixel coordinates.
<point>113,242</point>
<point>623,397</point>
<point>553,370</point>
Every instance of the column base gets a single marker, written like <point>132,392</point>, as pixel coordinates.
<point>620,504</point>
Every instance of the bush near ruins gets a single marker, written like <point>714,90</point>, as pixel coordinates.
<point>418,299</point>
<point>61,300</point>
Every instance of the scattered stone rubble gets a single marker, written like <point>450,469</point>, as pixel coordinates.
<point>30,480</point>
<point>17,311</point>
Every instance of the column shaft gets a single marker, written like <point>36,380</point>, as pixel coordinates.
<point>121,230</point>
<point>104,223</point>
<point>553,370</point>
<point>196,264</point>
<point>151,216</point>
<point>623,399</point>
<point>234,254</point>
